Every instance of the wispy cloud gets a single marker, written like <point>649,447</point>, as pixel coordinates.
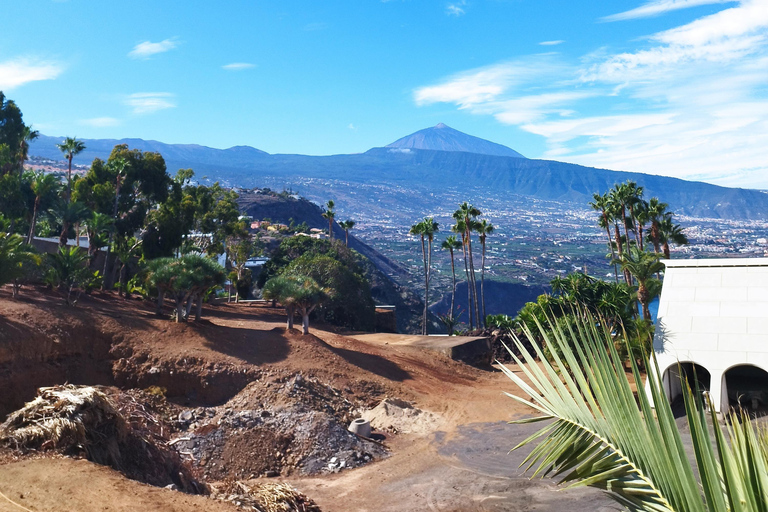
<point>456,8</point>
<point>17,72</point>
<point>658,7</point>
<point>689,102</point>
<point>149,102</point>
<point>551,43</point>
<point>146,49</point>
<point>100,122</point>
<point>238,66</point>
<point>352,127</point>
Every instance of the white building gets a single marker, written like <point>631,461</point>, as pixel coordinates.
<point>713,320</point>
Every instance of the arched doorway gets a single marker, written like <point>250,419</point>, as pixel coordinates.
<point>745,386</point>
<point>673,385</point>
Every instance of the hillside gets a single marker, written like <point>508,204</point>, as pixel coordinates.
<point>421,169</point>
<point>383,273</point>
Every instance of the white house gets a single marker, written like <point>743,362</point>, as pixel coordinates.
<point>713,321</point>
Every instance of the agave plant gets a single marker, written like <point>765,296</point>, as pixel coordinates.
<point>603,435</point>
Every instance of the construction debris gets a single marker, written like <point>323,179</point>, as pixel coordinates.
<point>263,497</point>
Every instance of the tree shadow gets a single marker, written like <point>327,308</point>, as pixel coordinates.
<point>368,362</point>
<point>256,347</point>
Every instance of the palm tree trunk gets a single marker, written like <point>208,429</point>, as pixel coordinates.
<point>640,237</point>
<point>179,309</point>
<point>469,292</point>
<point>642,296</point>
<point>63,235</point>
<point>33,223</point>
<point>304,321</point>
<point>290,311</point>
<point>69,179</point>
<point>453,295</point>
<point>426,292</point>
<point>346,235</point>
<point>482,282</point>
<point>667,253</point>
<point>426,287</point>
<point>621,251</point>
<point>613,254</point>
<point>474,280</point>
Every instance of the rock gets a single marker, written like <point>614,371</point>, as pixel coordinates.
<point>172,487</point>
<point>186,416</point>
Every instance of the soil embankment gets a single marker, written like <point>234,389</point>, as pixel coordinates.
<point>234,383</point>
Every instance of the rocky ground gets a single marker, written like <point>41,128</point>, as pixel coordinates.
<point>245,403</point>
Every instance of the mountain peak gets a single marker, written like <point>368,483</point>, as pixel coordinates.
<point>442,137</point>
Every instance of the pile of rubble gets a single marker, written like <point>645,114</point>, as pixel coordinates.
<point>275,428</point>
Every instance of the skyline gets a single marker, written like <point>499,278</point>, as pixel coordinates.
<point>671,87</point>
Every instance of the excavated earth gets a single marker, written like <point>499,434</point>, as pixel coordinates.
<point>240,399</point>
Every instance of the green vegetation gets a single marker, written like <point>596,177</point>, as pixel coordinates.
<point>296,293</point>
<point>426,230</point>
<point>346,225</point>
<point>334,267</point>
<point>604,435</point>
<point>451,244</point>
<point>16,258</point>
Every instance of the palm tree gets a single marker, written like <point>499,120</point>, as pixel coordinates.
<point>642,218</point>
<point>346,225</point>
<point>430,227</point>
<point>450,244</point>
<point>459,227</point>
<point>329,214</point>
<point>27,136</point>
<point>95,227</point>
<point>68,214</point>
<point>600,433</point>
<point>634,201</point>
<point>618,207</point>
<point>642,265</point>
<point>43,185</point>
<point>70,147</point>
<point>601,203</point>
<point>118,166</point>
<point>15,257</point>
<point>468,214</point>
<point>671,232</point>
<point>656,212</point>
<point>483,228</point>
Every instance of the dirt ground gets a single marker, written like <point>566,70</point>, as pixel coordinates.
<point>463,465</point>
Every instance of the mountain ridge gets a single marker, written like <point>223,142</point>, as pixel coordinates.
<point>442,137</point>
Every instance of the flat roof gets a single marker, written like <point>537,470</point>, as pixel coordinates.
<point>717,262</point>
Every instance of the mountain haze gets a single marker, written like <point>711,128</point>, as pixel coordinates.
<point>445,138</point>
<point>422,169</point>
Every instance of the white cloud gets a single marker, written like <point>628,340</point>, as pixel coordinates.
<point>149,102</point>
<point>551,43</point>
<point>146,49</point>
<point>238,66</point>
<point>689,102</point>
<point>100,122</point>
<point>657,7</point>
<point>17,72</point>
<point>456,8</point>
<point>352,127</point>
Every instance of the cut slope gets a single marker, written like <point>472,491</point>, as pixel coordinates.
<point>444,138</point>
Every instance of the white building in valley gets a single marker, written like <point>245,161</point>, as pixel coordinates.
<point>713,322</point>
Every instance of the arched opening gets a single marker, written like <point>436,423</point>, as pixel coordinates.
<point>673,384</point>
<point>745,386</point>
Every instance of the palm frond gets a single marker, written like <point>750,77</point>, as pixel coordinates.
<point>604,435</point>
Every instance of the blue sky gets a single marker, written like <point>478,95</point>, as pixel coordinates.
<point>672,87</point>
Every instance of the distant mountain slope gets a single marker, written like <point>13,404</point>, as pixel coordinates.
<point>45,146</point>
<point>418,169</point>
<point>445,138</point>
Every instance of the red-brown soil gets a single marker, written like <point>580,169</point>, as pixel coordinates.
<point>112,341</point>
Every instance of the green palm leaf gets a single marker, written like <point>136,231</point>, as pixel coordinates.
<point>604,435</point>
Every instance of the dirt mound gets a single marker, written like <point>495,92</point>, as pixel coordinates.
<point>399,416</point>
<point>272,428</point>
<point>83,420</point>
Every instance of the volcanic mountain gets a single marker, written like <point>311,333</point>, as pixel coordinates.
<point>444,138</point>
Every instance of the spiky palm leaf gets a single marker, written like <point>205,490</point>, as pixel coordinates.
<point>604,436</point>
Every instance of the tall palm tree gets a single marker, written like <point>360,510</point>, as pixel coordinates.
<point>418,230</point>
<point>43,185</point>
<point>642,265</point>
<point>601,203</point>
<point>459,228</point>
<point>656,212</point>
<point>671,232</point>
<point>641,219</point>
<point>430,228</point>
<point>329,214</point>
<point>618,204</point>
<point>634,202</point>
<point>450,244</point>
<point>346,225</point>
<point>600,433</point>
<point>119,166</point>
<point>27,136</point>
<point>468,214</point>
<point>483,228</point>
<point>70,147</point>
<point>68,214</point>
